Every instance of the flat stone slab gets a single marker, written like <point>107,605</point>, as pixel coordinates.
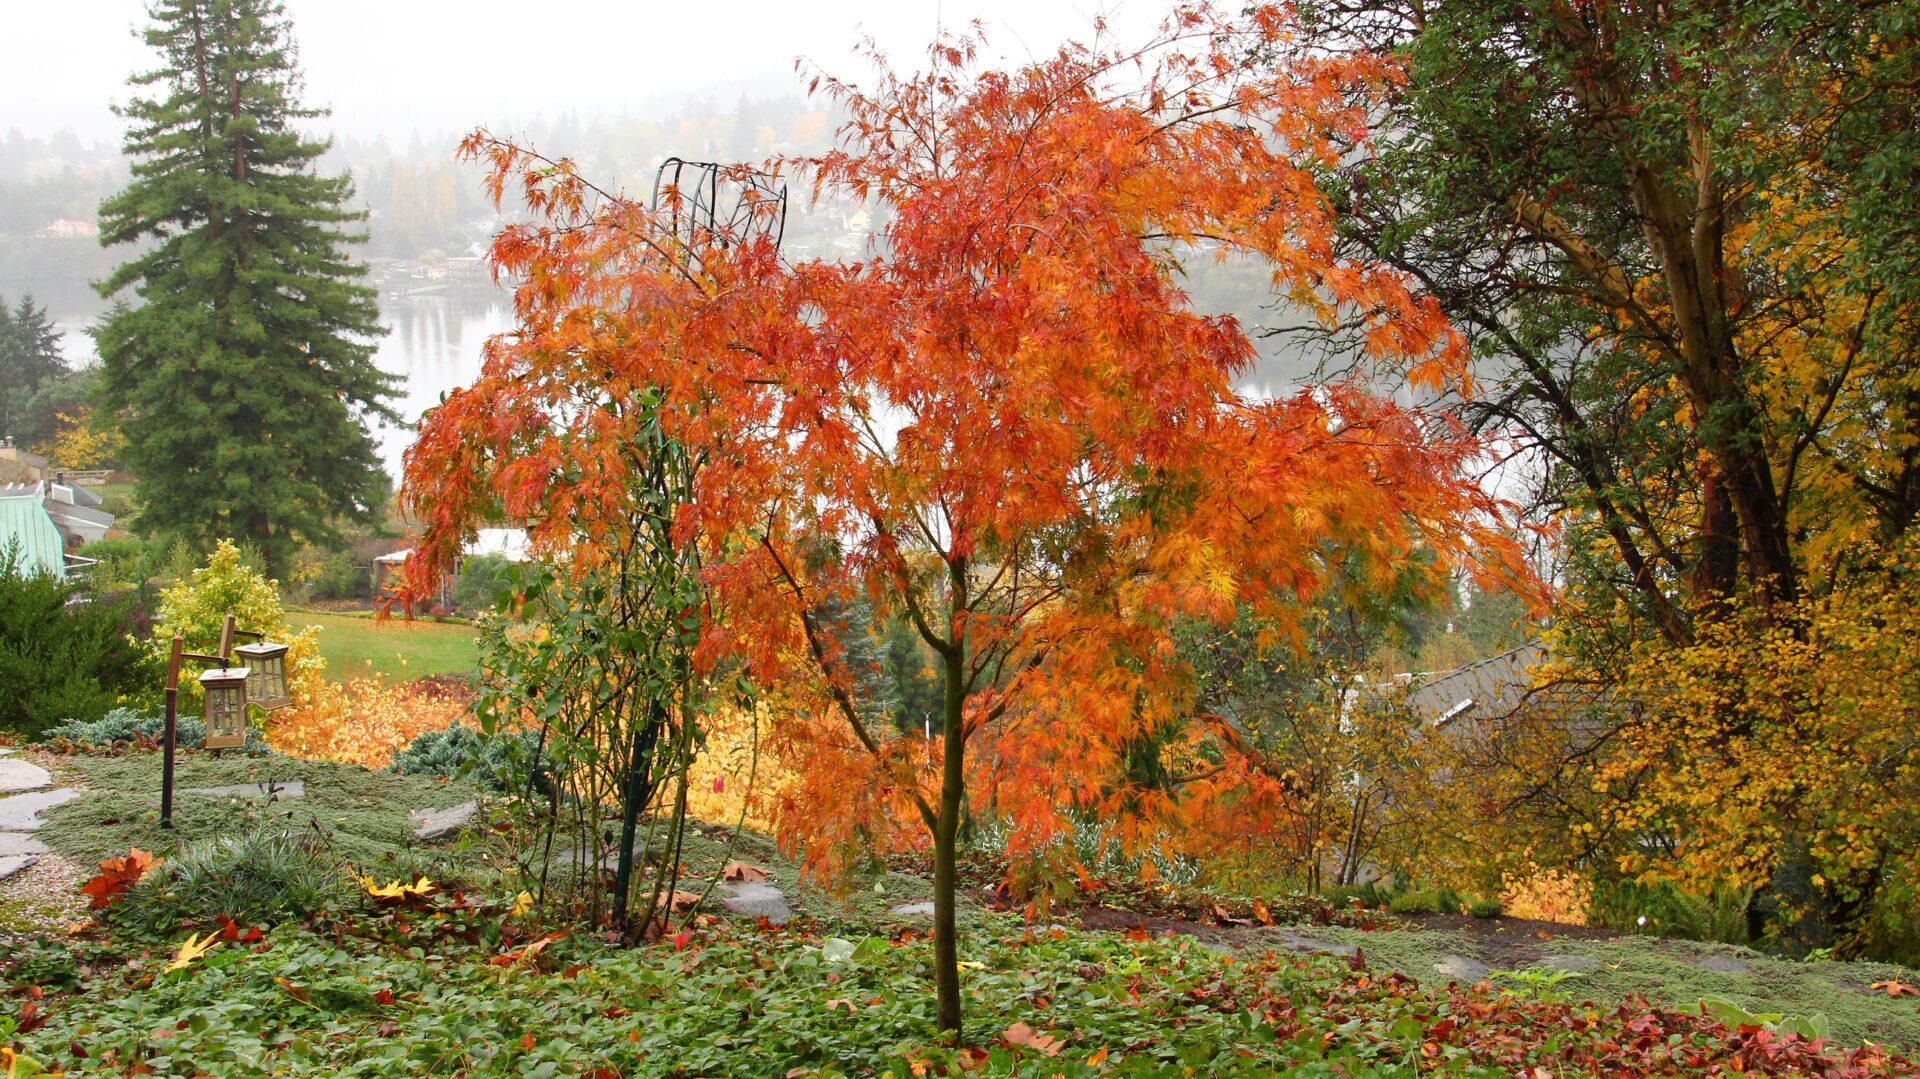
<point>1723,964</point>
<point>755,899</point>
<point>922,910</point>
<point>16,863</point>
<point>292,788</point>
<point>21,812</point>
<point>20,843</point>
<point>441,823</point>
<point>1462,969</point>
<point>18,777</point>
<point>1572,964</point>
<point>1300,942</point>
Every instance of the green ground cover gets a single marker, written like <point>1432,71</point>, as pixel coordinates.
<point>358,646</point>
<point>459,983</point>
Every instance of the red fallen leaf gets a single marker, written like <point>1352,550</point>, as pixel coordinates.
<point>719,784</point>
<point>293,990</point>
<point>1022,1034</point>
<point>1138,932</point>
<point>737,870</point>
<point>1543,934</point>
<point>1896,988</point>
<point>388,1029</point>
<point>603,1073</point>
<point>682,939</point>
<point>229,929</point>
<point>116,876</point>
<point>526,1041</point>
<point>573,971</point>
<point>1358,960</point>
<point>31,1018</point>
<point>677,900</point>
<point>614,1011</point>
<point>527,954</point>
<point>384,996</point>
<point>970,1058</point>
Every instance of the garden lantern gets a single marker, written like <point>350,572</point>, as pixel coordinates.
<point>267,685</point>
<point>226,706</point>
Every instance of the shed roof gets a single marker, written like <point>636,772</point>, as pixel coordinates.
<point>24,525</point>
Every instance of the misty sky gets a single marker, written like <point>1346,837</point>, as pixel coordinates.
<point>395,67</point>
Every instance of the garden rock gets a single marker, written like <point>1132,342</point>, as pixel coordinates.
<point>292,788</point>
<point>1300,942</point>
<point>923,910</point>
<point>1722,964</point>
<point>437,824</point>
<point>1572,964</point>
<point>18,844</point>
<point>755,899</point>
<point>15,863</point>
<point>21,812</point>
<point>18,777</point>
<point>1462,969</point>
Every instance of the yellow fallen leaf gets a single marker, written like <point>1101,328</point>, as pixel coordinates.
<point>190,950</point>
<point>522,903</point>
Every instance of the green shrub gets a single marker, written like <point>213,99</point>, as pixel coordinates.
<point>132,726</point>
<point>1664,910</point>
<point>260,878</point>
<point>64,655</point>
<point>1421,902</point>
<point>460,752</point>
<point>1484,908</point>
<point>482,581</point>
<point>340,577</point>
<point>1370,894</point>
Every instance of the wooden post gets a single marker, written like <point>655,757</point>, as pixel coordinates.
<point>226,640</point>
<point>173,708</point>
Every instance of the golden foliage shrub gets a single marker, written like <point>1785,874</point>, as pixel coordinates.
<point>1549,895</point>
<point>365,721</point>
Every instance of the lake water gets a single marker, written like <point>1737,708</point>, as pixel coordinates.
<point>433,343</point>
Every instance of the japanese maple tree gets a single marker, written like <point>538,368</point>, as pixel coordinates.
<point>1004,423</point>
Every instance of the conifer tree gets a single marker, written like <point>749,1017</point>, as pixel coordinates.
<point>29,358</point>
<point>245,374</point>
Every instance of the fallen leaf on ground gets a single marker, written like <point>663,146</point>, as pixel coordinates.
<point>190,950</point>
<point>1022,1034</point>
<point>742,871</point>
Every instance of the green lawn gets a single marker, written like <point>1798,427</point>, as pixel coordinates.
<point>356,646</point>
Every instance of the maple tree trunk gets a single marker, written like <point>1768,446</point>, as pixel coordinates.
<point>946,830</point>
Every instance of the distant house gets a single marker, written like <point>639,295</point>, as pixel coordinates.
<point>19,466</point>
<point>74,510</point>
<point>28,534</point>
<point>1490,688</point>
<point>67,228</point>
<point>508,543</point>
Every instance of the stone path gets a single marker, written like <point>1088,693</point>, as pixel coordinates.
<point>36,878</point>
<point>1461,969</point>
<point>755,899</point>
<point>441,823</point>
<point>1301,942</point>
<point>18,777</point>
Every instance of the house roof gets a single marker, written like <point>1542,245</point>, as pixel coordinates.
<point>1491,687</point>
<point>25,526</point>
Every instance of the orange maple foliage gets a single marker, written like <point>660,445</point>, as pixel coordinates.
<point>116,876</point>
<point>364,721</point>
<point>1004,423</point>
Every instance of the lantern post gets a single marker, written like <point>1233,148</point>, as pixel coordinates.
<point>227,696</point>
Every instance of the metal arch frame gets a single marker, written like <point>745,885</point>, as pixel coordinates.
<point>693,203</point>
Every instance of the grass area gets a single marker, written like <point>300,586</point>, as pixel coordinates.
<point>1666,972</point>
<point>362,815</point>
<point>466,983</point>
<point>358,646</point>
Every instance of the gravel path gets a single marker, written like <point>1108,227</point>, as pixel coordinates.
<point>44,895</point>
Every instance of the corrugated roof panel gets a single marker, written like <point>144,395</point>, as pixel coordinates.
<point>25,525</point>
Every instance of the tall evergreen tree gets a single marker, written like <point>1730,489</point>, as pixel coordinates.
<point>29,358</point>
<point>245,377</point>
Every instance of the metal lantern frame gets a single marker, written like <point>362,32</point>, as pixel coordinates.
<point>267,685</point>
<point>228,687</point>
<point>226,706</point>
